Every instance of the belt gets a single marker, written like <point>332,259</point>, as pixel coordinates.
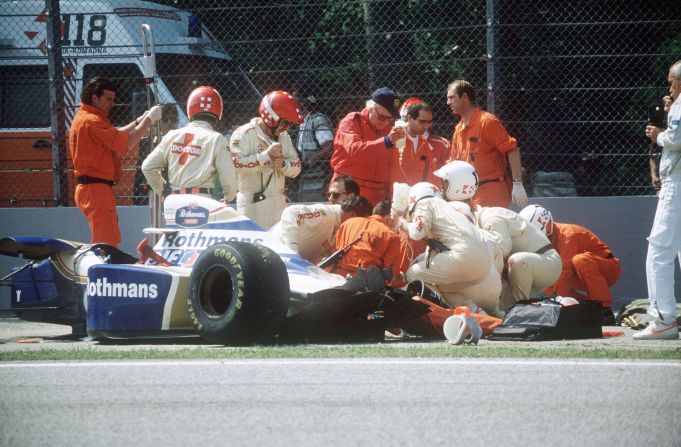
<point>86,180</point>
<point>498,179</point>
<point>544,249</point>
<point>610,256</point>
<point>193,191</point>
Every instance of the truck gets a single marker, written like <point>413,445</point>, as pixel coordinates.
<point>100,38</point>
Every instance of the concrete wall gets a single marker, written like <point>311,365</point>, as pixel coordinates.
<point>622,222</point>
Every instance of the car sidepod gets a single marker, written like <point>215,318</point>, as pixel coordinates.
<point>129,301</point>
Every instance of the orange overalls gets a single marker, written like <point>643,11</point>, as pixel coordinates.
<point>418,166</point>
<point>380,246</point>
<point>484,143</point>
<point>360,151</point>
<point>588,264</point>
<point>95,146</point>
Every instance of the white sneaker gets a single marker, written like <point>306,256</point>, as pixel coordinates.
<point>657,330</point>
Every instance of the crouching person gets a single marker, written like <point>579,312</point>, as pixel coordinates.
<point>531,261</point>
<point>371,240</point>
<point>589,267</point>
<point>457,256</point>
<point>308,229</point>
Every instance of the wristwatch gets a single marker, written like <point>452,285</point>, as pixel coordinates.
<point>517,180</point>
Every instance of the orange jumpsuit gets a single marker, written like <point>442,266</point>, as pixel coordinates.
<point>380,246</point>
<point>588,264</point>
<point>418,166</point>
<point>484,143</point>
<point>360,151</point>
<point>96,146</point>
<point>432,322</point>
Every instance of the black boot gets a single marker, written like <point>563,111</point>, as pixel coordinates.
<point>607,317</point>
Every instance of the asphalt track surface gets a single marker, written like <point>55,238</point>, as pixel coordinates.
<point>342,402</point>
<point>454,402</point>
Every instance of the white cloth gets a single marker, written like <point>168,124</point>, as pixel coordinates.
<point>193,156</point>
<point>664,242</point>
<point>308,229</point>
<point>465,264</point>
<point>487,292</point>
<point>528,272</point>
<point>248,145</point>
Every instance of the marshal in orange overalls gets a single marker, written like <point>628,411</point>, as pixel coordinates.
<point>380,246</point>
<point>360,151</point>
<point>588,264</point>
<point>484,143</point>
<point>96,146</point>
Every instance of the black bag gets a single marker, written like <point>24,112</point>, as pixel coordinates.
<point>549,320</point>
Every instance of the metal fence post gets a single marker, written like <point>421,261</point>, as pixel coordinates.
<point>57,112</point>
<point>492,65</point>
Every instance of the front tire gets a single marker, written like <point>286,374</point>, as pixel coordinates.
<point>238,293</point>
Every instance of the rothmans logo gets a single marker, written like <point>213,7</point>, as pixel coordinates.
<point>102,287</point>
<point>191,216</point>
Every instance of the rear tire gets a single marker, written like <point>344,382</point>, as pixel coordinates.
<point>238,293</point>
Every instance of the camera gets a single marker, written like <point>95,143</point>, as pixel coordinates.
<point>258,197</point>
<point>656,116</point>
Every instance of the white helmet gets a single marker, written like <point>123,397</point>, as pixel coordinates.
<point>420,191</point>
<point>462,180</point>
<point>538,216</point>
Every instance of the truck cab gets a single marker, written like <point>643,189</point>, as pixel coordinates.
<point>100,39</point>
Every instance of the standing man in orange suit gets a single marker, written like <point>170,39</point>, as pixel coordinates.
<point>364,143</point>
<point>96,147</point>
<point>419,154</point>
<point>481,140</point>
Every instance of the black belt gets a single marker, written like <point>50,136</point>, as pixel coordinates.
<point>193,191</point>
<point>610,256</point>
<point>86,180</point>
<point>498,179</point>
<point>544,249</point>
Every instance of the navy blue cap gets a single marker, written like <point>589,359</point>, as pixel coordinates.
<point>388,99</point>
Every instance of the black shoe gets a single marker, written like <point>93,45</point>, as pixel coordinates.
<point>607,317</point>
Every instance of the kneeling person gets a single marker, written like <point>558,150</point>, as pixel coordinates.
<point>588,263</point>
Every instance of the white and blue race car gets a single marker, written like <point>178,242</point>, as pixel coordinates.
<point>213,272</point>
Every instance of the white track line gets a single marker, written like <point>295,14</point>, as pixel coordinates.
<point>324,362</point>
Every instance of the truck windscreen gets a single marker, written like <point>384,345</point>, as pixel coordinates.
<point>182,73</point>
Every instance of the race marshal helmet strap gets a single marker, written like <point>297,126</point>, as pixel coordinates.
<point>538,216</point>
<point>204,100</point>
<point>278,105</point>
<point>420,191</point>
<point>462,180</point>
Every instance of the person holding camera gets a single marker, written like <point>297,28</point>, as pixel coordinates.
<point>264,156</point>
<point>664,242</point>
<point>195,154</point>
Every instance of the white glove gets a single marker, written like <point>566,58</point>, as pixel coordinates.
<point>155,114</point>
<point>519,195</point>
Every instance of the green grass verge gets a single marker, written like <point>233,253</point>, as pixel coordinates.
<point>342,351</point>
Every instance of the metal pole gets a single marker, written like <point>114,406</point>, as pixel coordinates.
<point>149,66</point>
<point>492,53</point>
<point>369,42</point>
<point>55,70</point>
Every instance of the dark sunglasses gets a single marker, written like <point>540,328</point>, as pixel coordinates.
<point>335,195</point>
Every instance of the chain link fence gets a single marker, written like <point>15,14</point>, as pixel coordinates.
<point>572,81</point>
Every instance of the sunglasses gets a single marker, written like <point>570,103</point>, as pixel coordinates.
<point>335,195</point>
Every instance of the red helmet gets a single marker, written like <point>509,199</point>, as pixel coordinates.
<point>405,107</point>
<point>204,100</point>
<point>278,105</point>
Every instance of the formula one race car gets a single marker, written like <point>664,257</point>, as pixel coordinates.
<point>213,272</point>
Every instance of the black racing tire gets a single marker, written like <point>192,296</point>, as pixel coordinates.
<point>238,293</point>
